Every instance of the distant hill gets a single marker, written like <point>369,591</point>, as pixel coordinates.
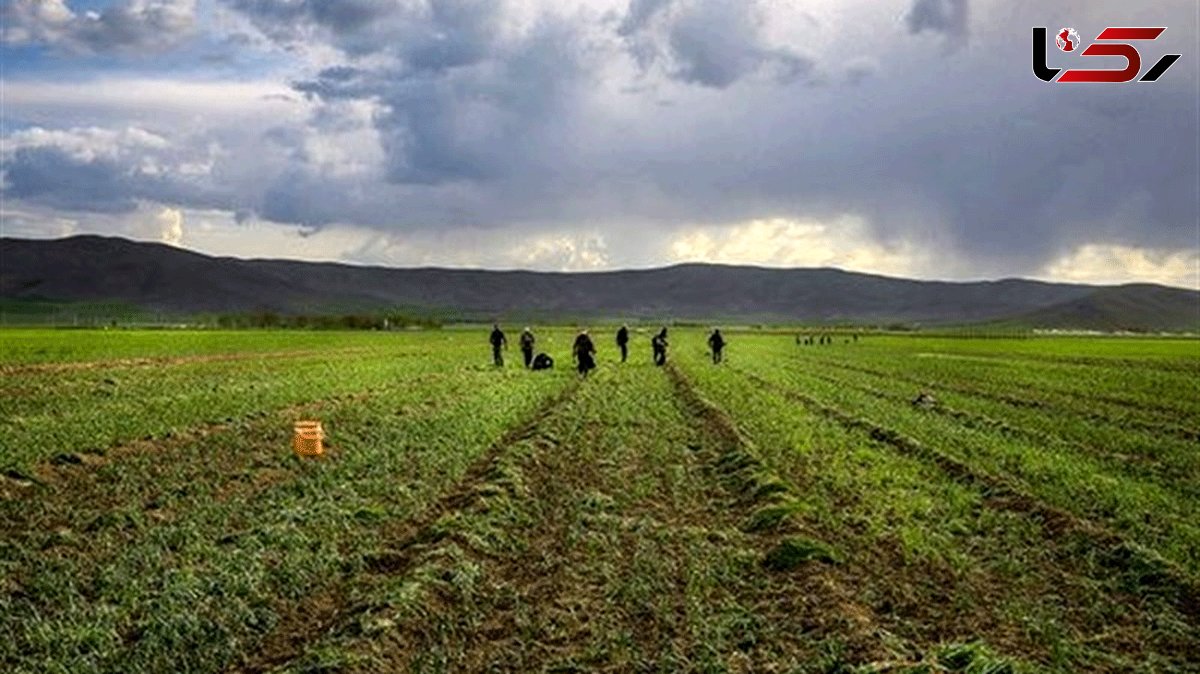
<point>1137,307</point>
<point>157,277</point>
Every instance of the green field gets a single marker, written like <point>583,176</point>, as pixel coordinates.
<point>790,510</point>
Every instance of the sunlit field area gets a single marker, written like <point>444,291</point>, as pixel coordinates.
<point>876,504</point>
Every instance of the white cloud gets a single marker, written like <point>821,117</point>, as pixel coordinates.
<point>1111,264</point>
<point>846,242</point>
<point>35,223</point>
<point>562,252</point>
<point>496,248</point>
<point>127,26</point>
<point>144,222</point>
<point>86,144</point>
<point>104,170</point>
<point>113,100</point>
<point>170,226</point>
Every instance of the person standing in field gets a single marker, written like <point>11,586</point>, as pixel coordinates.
<point>585,353</point>
<point>527,340</point>
<point>717,343</point>
<point>499,341</point>
<point>659,345</point>
<point>623,342</point>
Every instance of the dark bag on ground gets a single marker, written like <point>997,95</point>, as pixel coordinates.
<point>542,362</point>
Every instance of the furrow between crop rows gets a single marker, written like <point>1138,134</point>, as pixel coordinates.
<point>1155,574</point>
<point>254,526</point>
<point>309,620</point>
<point>1169,475</point>
<point>1168,428</point>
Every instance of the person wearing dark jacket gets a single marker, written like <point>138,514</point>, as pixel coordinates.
<point>542,362</point>
<point>585,353</point>
<point>659,345</point>
<point>623,342</point>
<point>716,342</point>
<point>527,340</point>
<point>499,341</point>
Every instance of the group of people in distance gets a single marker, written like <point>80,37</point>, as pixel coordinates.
<point>822,339</point>
<point>584,350</point>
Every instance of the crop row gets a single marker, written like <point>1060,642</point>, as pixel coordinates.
<point>183,560</point>
<point>1120,391</point>
<point>1168,461</point>
<point>1147,511</point>
<point>602,540</point>
<point>939,554</point>
<point>43,415</point>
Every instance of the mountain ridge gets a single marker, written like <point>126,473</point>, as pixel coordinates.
<point>160,277</point>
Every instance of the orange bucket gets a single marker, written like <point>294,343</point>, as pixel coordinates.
<point>308,438</point>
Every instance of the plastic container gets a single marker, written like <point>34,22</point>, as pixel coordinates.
<point>309,438</point>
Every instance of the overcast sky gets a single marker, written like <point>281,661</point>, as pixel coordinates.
<point>904,137</point>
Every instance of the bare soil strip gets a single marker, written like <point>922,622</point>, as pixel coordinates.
<point>302,623</point>
<point>1157,574</point>
<point>763,497</point>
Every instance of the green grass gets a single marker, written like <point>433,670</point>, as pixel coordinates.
<point>789,510</point>
<point>50,312</point>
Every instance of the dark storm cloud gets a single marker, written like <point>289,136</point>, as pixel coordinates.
<point>428,35</point>
<point>437,115</point>
<point>91,170</point>
<point>301,198</point>
<point>40,174</point>
<point>126,27</point>
<point>469,108</point>
<point>639,13</point>
<point>711,43</point>
<point>1011,176</point>
<point>51,177</point>
<point>289,20</point>
<point>940,16</point>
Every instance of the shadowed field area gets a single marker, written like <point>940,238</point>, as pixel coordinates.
<point>886,504</point>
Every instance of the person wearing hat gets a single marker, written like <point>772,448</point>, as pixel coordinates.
<point>659,345</point>
<point>527,340</point>
<point>585,353</point>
